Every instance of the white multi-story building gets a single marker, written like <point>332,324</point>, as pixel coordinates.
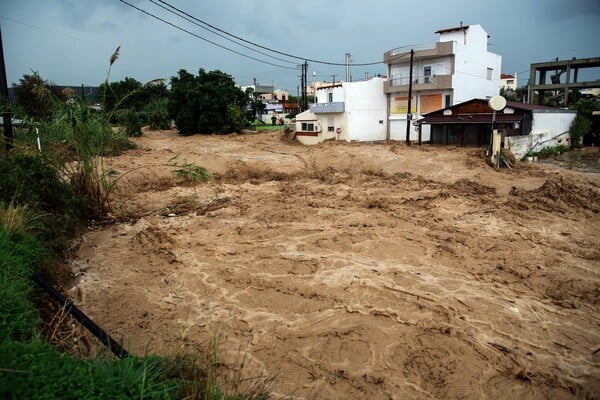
<point>458,68</point>
<point>351,111</point>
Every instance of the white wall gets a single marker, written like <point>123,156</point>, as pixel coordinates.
<point>470,66</point>
<point>550,129</point>
<point>323,94</point>
<point>366,110</point>
<point>398,130</point>
<point>547,130</point>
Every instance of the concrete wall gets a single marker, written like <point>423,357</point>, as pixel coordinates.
<point>366,110</point>
<point>548,130</point>
<point>323,94</point>
<point>471,64</point>
<point>398,130</point>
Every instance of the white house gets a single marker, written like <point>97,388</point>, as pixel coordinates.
<point>350,111</point>
<point>508,81</point>
<point>458,68</point>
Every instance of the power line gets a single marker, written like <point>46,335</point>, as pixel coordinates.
<point>202,38</point>
<point>218,34</point>
<point>261,46</point>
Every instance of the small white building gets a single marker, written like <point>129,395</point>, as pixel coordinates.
<point>458,68</point>
<point>525,127</point>
<point>508,81</point>
<point>350,111</point>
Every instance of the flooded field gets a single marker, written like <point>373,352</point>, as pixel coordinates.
<point>373,271</point>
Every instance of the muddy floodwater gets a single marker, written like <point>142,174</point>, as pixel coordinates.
<point>364,271</point>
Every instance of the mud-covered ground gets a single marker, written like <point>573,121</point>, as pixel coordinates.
<point>374,271</point>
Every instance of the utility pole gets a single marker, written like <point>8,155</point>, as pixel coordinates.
<point>333,76</point>
<point>408,111</point>
<point>305,85</point>
<point>6,115</point>
<point>303,103</point>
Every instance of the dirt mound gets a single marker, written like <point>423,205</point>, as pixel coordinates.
<point>556,194</point>
<point>467,187</point>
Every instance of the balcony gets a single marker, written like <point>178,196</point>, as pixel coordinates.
<point>420,83</point>
<point>441,49</point>
<point>321,108</point>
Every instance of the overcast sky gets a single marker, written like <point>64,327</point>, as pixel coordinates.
<point>69,42</point>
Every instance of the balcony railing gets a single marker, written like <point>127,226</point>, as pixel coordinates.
<point>335,107</point>
<point>416,79</point>
<point>420,82</point>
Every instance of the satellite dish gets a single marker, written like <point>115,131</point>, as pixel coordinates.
<point>497,103</point>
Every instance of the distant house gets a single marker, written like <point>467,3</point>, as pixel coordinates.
<point>508,82</point>
<point>525,127</point>
<point>350,111</point>
<point>458,68</point>
<point>259,91</point>
<point>280,95</point>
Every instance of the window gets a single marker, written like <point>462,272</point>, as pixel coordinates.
<point>510,82</point>
<point>307,127</point>
<point>331,97</point>
<point>447,101</point>
<point>427,74</point>
<point>489,73</point>
<point>330,127</point>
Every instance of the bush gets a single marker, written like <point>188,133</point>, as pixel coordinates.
<point>158,114</point>
<point>130,121</point>
<point>580,127</point>
<point>27,181</point>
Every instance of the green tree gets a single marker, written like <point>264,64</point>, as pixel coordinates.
<point>122,94</point>
<point>201,104</point>
<point>582,124</point>
<point>508,94</point>
<point>35,95</point>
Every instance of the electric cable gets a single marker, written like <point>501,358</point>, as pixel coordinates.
<point>202,38</point>
<point>219,34</point>
<point>264,47</point>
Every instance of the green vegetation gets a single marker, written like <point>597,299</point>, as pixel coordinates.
<point>583,122</point>
<point>207,103</point>
<point>51,183</point>
<point>580,127</point>
<point>549,151</point>
<point>190,172</point>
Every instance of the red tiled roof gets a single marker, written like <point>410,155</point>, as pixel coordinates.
<point>506,76</point>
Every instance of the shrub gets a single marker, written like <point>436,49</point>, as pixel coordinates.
<point>27,181</point>
<point>18,218</point>
<point>581,126</point>
<point>158,114</point>
<point>132,121</point>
